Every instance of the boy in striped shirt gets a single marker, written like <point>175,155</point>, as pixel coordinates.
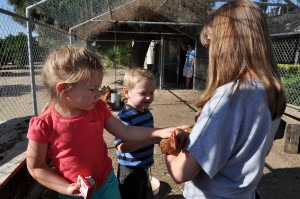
<point>136,157</point>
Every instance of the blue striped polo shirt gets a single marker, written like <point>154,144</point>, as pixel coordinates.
<point>142,157</point>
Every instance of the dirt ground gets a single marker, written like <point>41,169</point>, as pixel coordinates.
<point>173,107</point>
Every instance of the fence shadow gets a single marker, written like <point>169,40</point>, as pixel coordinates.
<point>187,104</point>
<point>16,90</point>
<point>17,74</point>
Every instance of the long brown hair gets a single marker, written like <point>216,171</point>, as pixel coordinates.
<point>240,46</point>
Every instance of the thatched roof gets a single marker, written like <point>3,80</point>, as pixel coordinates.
<point>83,16</point>
<point>88,19</point>
<point>289,22</point>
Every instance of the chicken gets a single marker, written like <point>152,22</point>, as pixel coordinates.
<point>107,97</point>
<point>173,144</point>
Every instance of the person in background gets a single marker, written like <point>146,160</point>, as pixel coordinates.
<point>240,109</point>
<point>189,65</point>
<point>135,158</point>
<point>70,129</point>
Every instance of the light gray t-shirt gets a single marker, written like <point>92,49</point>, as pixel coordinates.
<point>230,142</point>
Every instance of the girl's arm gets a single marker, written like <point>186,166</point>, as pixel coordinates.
<point>128,147</point>
<point>133,133</point>
<point>40,171</point>
<point>182,168</point>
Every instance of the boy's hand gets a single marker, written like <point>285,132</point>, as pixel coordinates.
<point>167,132</point>
<point>183,127</point>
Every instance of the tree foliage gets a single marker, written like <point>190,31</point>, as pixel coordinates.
<point>14,50</point>
<point>20,8</point>
<point>121,54</point>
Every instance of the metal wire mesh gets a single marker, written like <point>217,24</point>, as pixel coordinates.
<point>15,80</point>
<point>84,16</point>
<point>16,98</point>
<point>15,93</point>
<point>287,49</point>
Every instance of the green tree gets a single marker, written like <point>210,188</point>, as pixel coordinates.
<point>20,8</point>
<point>14,50</point>
<point>122,54</point>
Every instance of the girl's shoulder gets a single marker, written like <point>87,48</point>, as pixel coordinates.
<point>248,90</point>
<point>40,127</point>
<point>44,119</point>
<point>251,85</point>
<point>100,104</point>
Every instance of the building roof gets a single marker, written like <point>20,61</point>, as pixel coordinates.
<point>90,18</point>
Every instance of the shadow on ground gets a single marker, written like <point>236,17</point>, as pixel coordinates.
<point>280,184</point>
<point>164,190</point>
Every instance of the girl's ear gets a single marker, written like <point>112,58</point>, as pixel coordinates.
<point>60,87</point>
<point>126,91</point>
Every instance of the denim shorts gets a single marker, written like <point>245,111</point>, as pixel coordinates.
<point>188,71</point>
<point>109,190</point>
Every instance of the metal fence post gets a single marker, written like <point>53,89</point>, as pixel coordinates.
<point>178,64</point>
<point>195,65</point>
<point>30,60</point>
<point>70,37</point>
<point>162,62</point>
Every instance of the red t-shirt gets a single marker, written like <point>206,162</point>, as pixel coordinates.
<point>75,144</point>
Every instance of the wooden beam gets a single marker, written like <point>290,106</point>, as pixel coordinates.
<point>292,135</point>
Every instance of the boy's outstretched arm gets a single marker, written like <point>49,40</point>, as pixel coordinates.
<point>40,171</point>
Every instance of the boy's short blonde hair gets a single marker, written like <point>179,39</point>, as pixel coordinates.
<point>135,75</point>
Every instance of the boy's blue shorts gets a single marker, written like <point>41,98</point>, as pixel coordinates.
<point>108,190</point>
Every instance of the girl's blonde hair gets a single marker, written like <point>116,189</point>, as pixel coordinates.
<point>241,45</point>
<point>135,75</point>
<point>68,65</point>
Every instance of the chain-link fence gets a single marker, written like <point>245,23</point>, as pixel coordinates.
<point>287,52</point>
<point>19,88</point>
<point>16,90</point>
<point>287,49</point>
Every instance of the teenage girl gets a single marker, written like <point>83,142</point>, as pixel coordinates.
<point>241,108</point>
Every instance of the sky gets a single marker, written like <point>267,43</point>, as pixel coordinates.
<point>5,5</point>
<point>7,24</point>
